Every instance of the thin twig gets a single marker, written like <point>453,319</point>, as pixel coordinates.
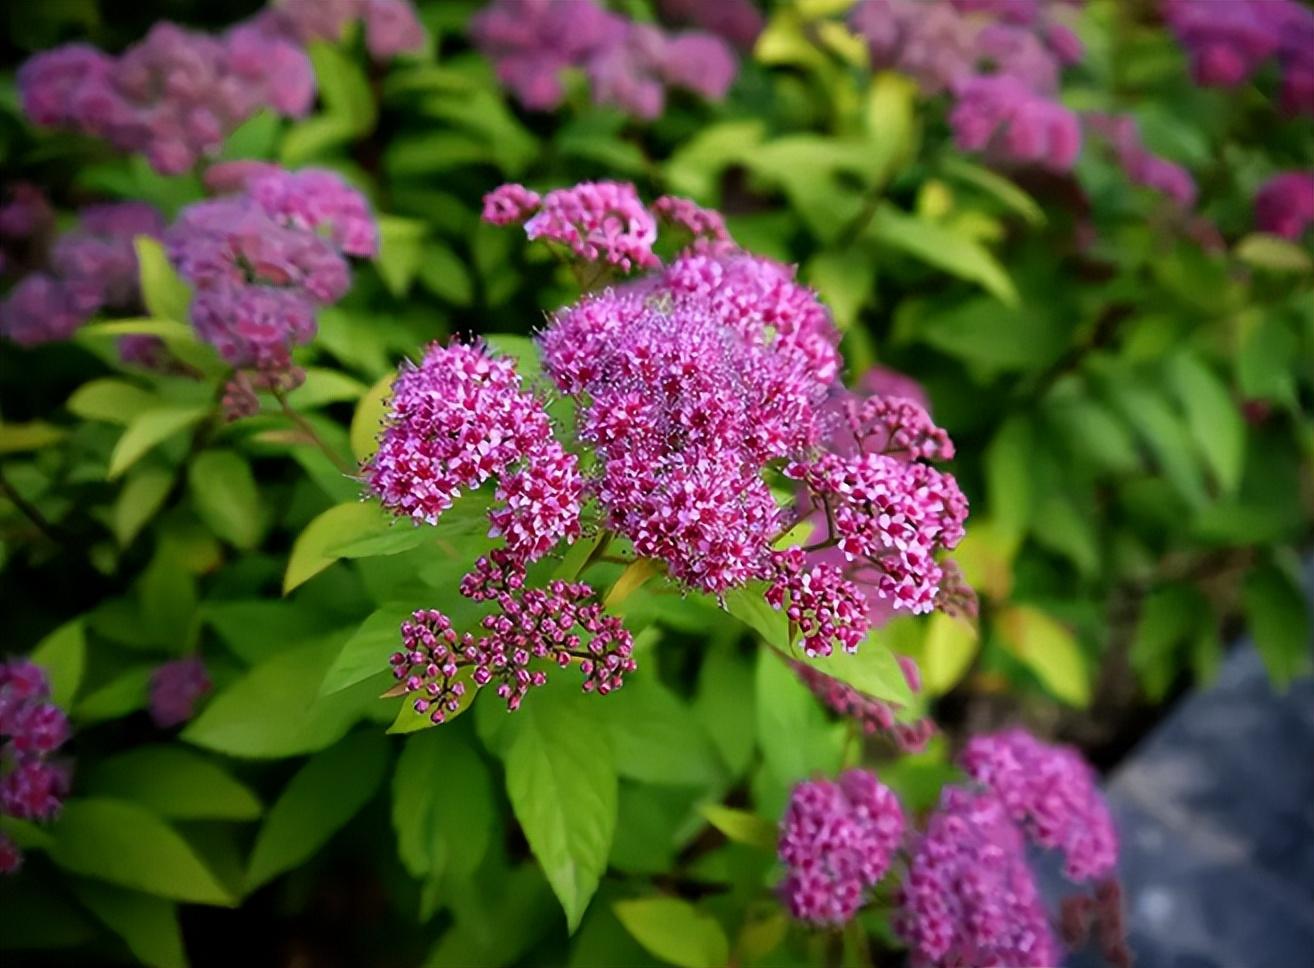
<point>304,426</point>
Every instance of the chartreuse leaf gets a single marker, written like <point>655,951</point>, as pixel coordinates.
<point>366,653</point>
<point>401,248</point>
<point>442,805</point>
<point>148,925</point>
<point>1009,462</point>
<point>561,780</point>
<point>367,421</point>
<point>163,291</point>
<point>943,248</point>
<point>343,87</point>
<point>791,728</point>
<point>333,528</point>
<point>275,710</point>
<point>125,844</point>
<point>844,278</point>
<point>1048,649</point>
<point>151,427</point>
<point>125,693</point>
<point>996,185</point>
<point>1279,622</point>
<point>675,931</point>
<point>1213,418</point>
<point>1272,253</point>
<point>36,435</point>
<point>741,826</point>
<point>142,494</point>
<point>226,498</point>
<point>113,401</point>
<point>316,803</point>
<point>947,652</point>
<point>63,654</point>
<point>173,782</point>
<point>410,721</point>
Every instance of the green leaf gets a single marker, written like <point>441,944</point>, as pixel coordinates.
<point>124,844</point>
<point>366,653</point>
<point>1213,417</point>
<point>113,401</point>
<point>1165,434</point>
<point>401,249</point>
<point>410,721</point>
<point>873,669</point>
<point>675,931</point>
<point>317,802</point>
<point>63,654</point>
<point>1094,436</point>
<point>943,248</point>
<point>741,827</point>
<point>323,386</point>
<point>845,279</point>
<point>313,138</point>
<point>253,139</point>
<point>142,495</point>
<point>163,291</point>
<point>995,185</point>
<point>172,782</point>
<point>151,427</point>
<point>791,728</point>
<point>148,925</point>
<point>125,693</point>
<point>695,167</point>
<point>947,652</point>
<point>1046,648</point>
<point>226,498</point>
<point>343,88</point>
<point>1279,622</point>
<point>444,274</point>
<point>656,738</point>
<point>1009,462</point>
<point>442,805</point>
<point>1273,253</point>
<point>275,710</point>
<point>1168,618</point>
<point>311,552</point>
<point>561,780</point>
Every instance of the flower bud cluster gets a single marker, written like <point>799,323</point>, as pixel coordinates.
<point>262,260</point>
<point>628,64</point>
<point>837,840</point>
<point>175,689</point>
<point>1000,61</point>
<point>1284,204</point>
<point>32,728</point>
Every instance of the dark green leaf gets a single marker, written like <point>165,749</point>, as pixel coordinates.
<point>148,925</point>
<point>172,782</point>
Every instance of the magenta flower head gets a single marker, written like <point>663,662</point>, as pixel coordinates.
<point>1284,204</point>
<point>40,309</point>
<point>837,840</point>
<point>1051,793</point>
<point>599,222</point>
<point>392,28</point>
<point>1002,116</point>
<point>32,728</point>
<point>176,687</point>
<point>737,21</point>
<point>1141,167</point>
<point>24,212</point>
<point>174,96</point>
<point>969,897</point>
<point>263,260</point>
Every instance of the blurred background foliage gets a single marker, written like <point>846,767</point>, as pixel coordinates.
<point>1132,411</point>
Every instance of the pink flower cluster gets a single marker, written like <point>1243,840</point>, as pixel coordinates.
<point>837,840</point>
<point>1142,167</point>
<point>688,383</point>
<point>893,515</point>
<point>969,897</point>
<point>91,267</point>
<point>533,629</point>
<point>1229,42</point>
<point>873,715</point>
<point>174,96</point>
<point>1051,793</point>
<point>1284,204</point>
<point>175,689</point>
<point>738,21</point>
<point>391,26</point>
<point>1000,59</point>
<point>32,728</point>
<point>261,261</point>
<point>629,65</point>
<point>460,418</point>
